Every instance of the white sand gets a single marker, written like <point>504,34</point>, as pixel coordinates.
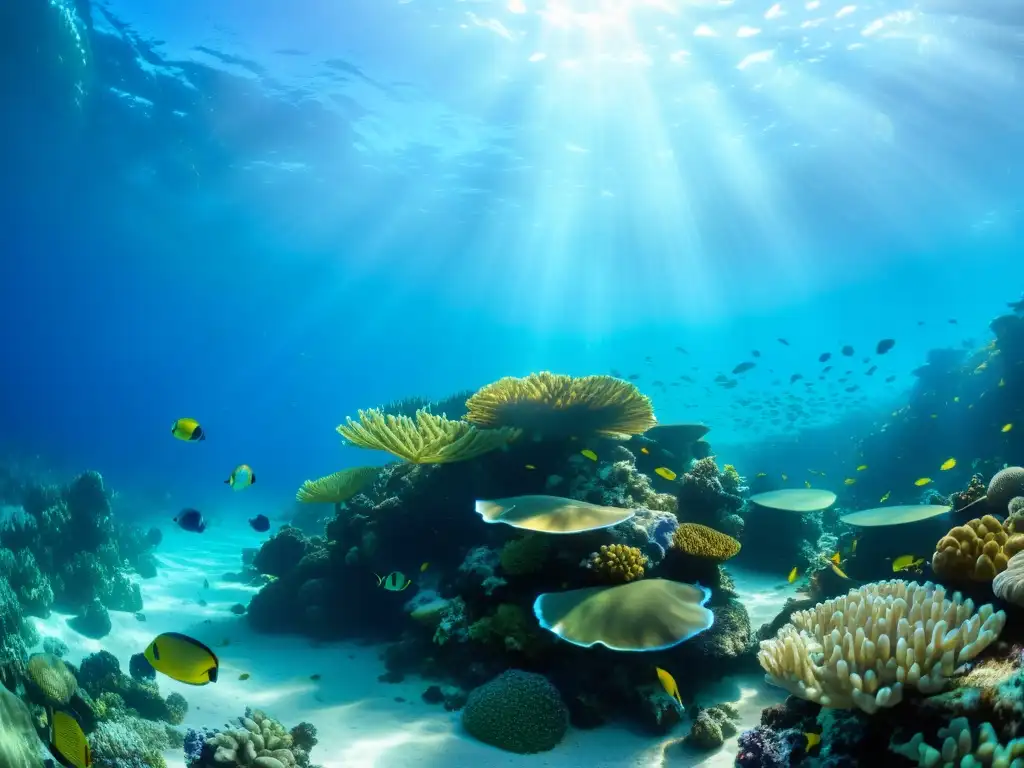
<point>359,722</point>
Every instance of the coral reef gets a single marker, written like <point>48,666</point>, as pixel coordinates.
<point>711,496</point>
<point>558,406</point>
<point>712,726</point>
<point>977,550</point>
<point>518,712</point>
<point>975,490</point>
<point>962,745</point>
<point>259,741</point>
<point>701,541</point>
<point>861,649</point>
<point>428,439</point>
<point>618,563</point>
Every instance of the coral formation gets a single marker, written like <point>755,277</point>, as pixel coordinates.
<point>1009,585</point>
<point>960,746</point>
<point>618,563</point>
<point>701,541</point>
<point>49,680</point>
<point>517,711</point>
<point>860,650</point>
<point>525,555</point>
<point>561,406</point>
<point>428,439</point>
<point>1005,484</point>
<point>259,741</point>
<point>338,487</point>
<point>975,490</point>
<point>977,550</point>
<point>712,727</point>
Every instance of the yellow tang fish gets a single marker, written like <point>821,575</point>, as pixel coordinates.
<point>644,450</point>
<point>530,466</point>
<point>836,558</point>
<point>665,472</point>
<point>589,454</point>
<point>948,464</point>
<point>793,574</point>
<point>188,430</point>
<point>807,483</point>
<point>885,497</point>
<point>67,741</point>
<point>862,467</point>
<point>849,481</point>
<point>907,563</point>
<point>922,481</point>
<point>1006,427</point>
<point>762,474</point>
<point>393,582</point>
<point>813,740</point>
<point>835,568</point>
<point>241,477</point>
<point>669,684</point>
<point>183,658</point>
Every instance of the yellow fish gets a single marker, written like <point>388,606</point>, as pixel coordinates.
<point>907,563</point>
<point>838,571</point>
<point>785,478</point>
<point>862,467</point>
<point>981,367</point>
<point>762,474</point>
<point>849,481</point>
<point>885,497</point>
<point>807,483</point>
<point>589,454</point>
<point>836,558</point>
<point>948,464</point>
<point>813,740</point>
<point>665,472</point>
<point>644,450</point>
<point>793,574</point>
<point>922,481</point>
<point>244,676</point>
<point>530,466</point>
<point>853,546</point>
<point>188,430</point>
<point>67,741</point>
<point>424,567</point>
<point>393,582</point>
<point>241,477</point>
<point>669,684</point>
<point>1006,427</point>
<point>183,658</point>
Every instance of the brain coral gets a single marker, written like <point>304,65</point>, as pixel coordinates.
<point>518,712</point>
<point>1004,485</point>
<point>977,550</point>
<point>859,650</point>
<point>50,680</point>
<point>701,541</point>
<point>618,563</point>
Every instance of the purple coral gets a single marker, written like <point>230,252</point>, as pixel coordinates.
<point>194,741</point>
<point>761,747</point>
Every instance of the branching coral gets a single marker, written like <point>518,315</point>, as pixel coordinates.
<point>260,742</point>
<point>960,747</point>
<point>859,650</point>
<point>702,541</point>
<point>976,550</point>
<point>428,439</point>
<point>561,406</point>
<point>618,563</point>
<point>336,488</point>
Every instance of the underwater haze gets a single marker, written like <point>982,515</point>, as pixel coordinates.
<point>793,222</point>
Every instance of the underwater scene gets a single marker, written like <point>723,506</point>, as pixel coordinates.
<point>498,383</point>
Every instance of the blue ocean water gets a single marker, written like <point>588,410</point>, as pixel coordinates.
<point>267,216</point>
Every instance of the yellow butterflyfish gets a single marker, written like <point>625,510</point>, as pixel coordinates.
<point>665,472</point>
<point>644,450</point>
<point>885,497</point>
<point>849,481</point>
<point>922,481</point>
<point>589,454</point>
<point>948,464</point>
<point>68,742</point>
<point>813,740</point>
<point>183,658</point>
<point>862,467</point>
<point>907,563</point>
<point>669,684</point>
<point>793,574</point>
<point>188,430</point>
<point>1006,427</point>
<point>836,558</point>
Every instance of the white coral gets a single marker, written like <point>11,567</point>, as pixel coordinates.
<point>959,748</point>
<point>1009,585</point>
<point>859,650</point>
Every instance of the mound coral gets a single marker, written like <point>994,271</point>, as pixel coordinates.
<point>618,563</point>
<point>701,541</point>
<point>1009,585</point>
<point>336,488</point>
<point>49,680</point>
<point>428,439</point>
<point>517,711</point>
<point>559,406</point>
<point>859,650</point>
<point>1003,487</point>
<point>977,550</point>
<point>712,727</point>
<point>960,747</point>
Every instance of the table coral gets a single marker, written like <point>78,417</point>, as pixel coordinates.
<point>860,650</point>
<point>701,541</point>
<point>977,550</point>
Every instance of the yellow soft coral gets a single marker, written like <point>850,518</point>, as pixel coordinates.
<point>978,550</point>
<point>562,406</point>
<point>336,488</point>
<point>618,563</point>
<point>428,439</point>
<point>701,541</point>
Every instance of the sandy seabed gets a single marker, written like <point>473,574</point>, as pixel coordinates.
<point>361,722</point>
